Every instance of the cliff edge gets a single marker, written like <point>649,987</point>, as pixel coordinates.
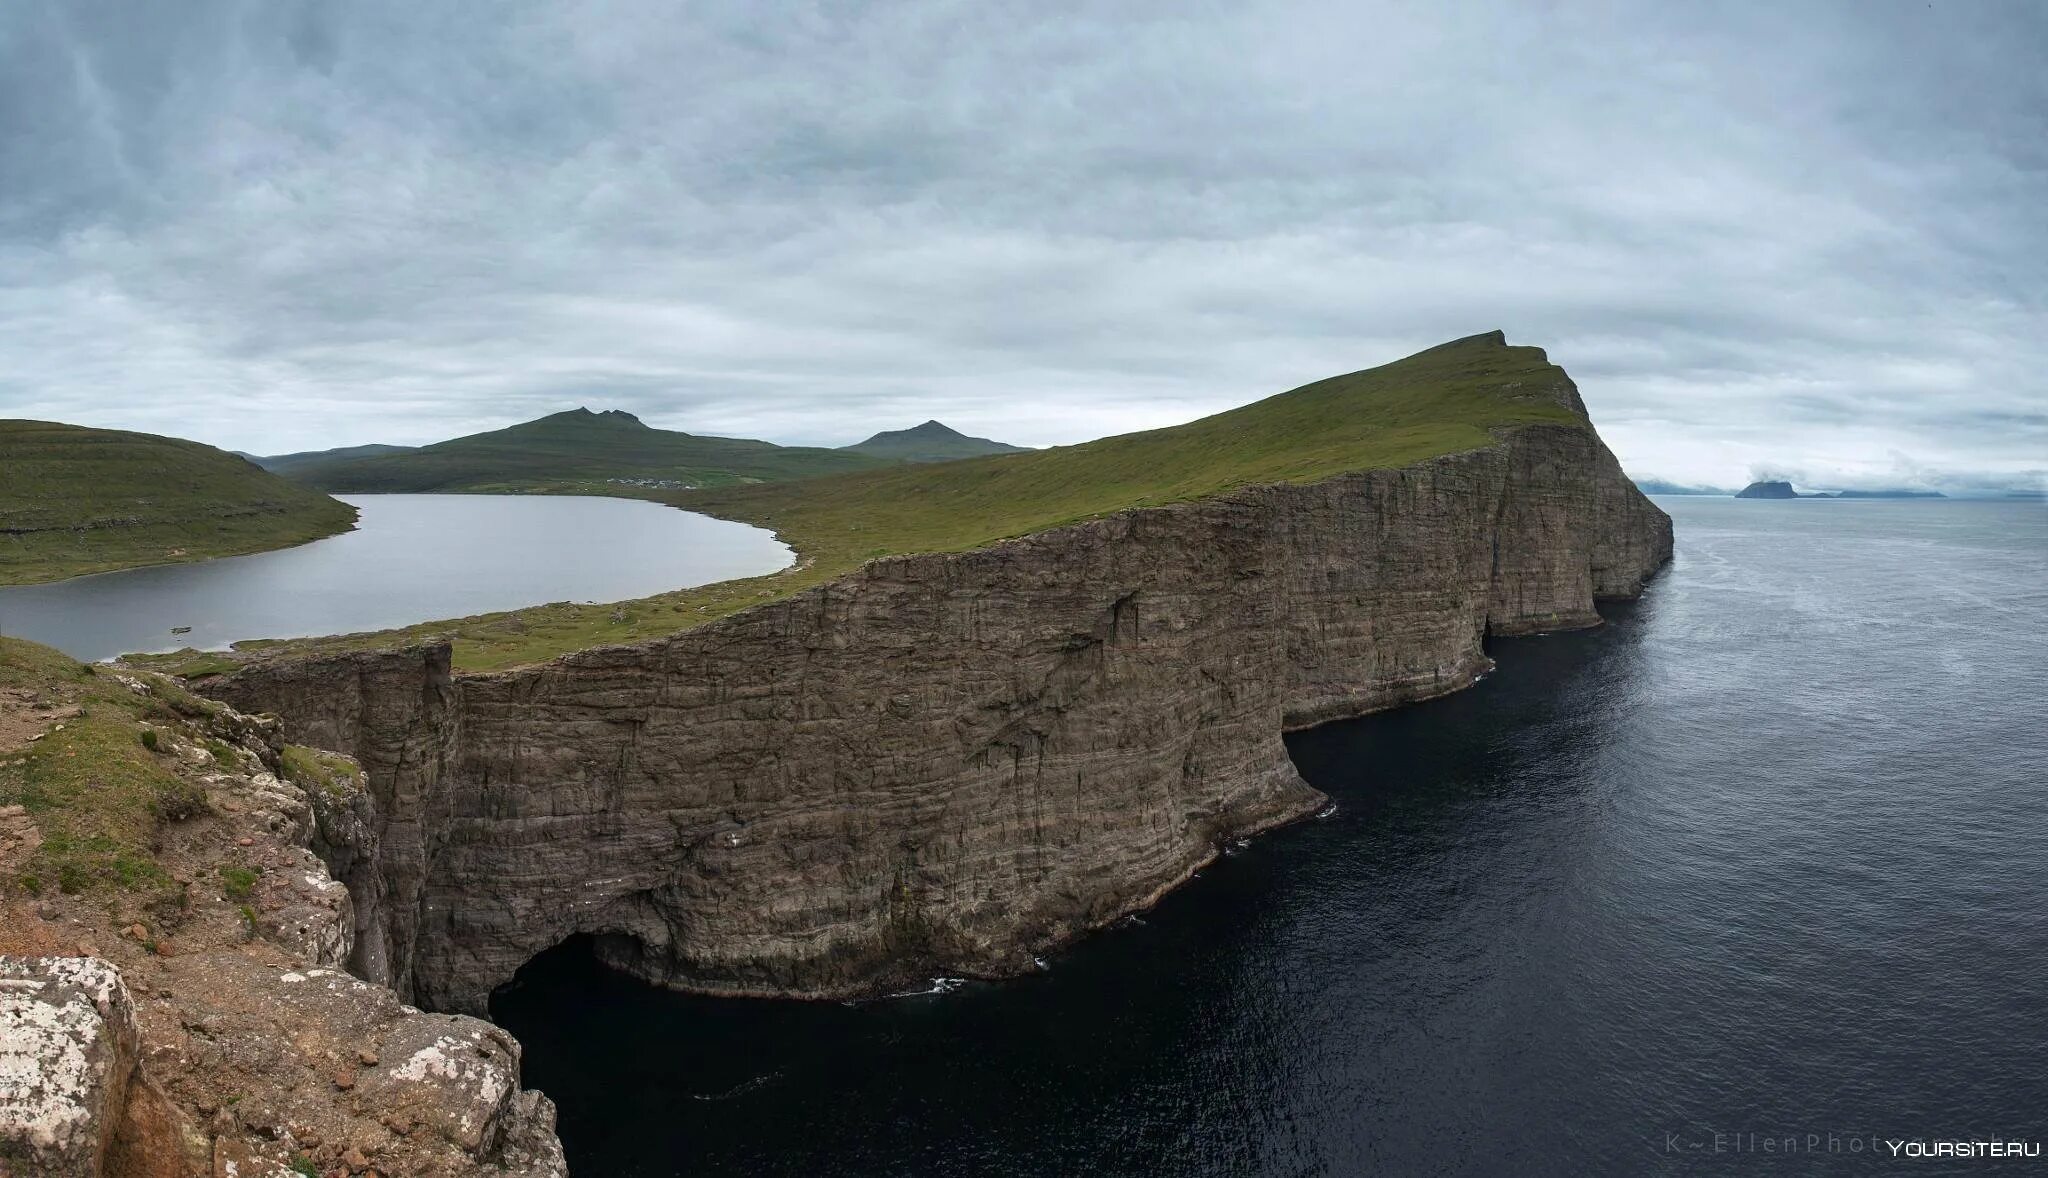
<point>948,762</point>
<point>172,999</point>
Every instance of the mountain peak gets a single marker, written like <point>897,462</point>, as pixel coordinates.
<point>932,441</point>
<point>1485,339</point>
<point>582,415</point>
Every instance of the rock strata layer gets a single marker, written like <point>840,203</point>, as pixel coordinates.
<point>938,764</point>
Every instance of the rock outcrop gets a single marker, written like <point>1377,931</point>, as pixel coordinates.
<point>192,1020</point>
<point>67,1054</point>
<point>938,764</point>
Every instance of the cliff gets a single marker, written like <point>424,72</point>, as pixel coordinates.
<point>942,763</point>
<point>171,997</point>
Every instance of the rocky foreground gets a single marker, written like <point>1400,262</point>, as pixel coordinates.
<point>173,997</point>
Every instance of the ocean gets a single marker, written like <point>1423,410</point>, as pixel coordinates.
<point>1751,880</point>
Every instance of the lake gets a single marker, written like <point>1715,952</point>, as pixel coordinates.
<point>1764,860</point>
<point>412,558</point>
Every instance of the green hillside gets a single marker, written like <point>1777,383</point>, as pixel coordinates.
<point>578,451</point>
<point>1435,402</point>
<point>1449,398</point>
<point>75,500</point>
<point>285,463</point>
<point>931,442</point>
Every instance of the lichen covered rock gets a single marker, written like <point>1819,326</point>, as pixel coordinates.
<point>454,1075</point>
<point>68,1046</point>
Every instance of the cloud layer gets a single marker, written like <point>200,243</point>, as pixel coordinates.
<point>1799,237</point>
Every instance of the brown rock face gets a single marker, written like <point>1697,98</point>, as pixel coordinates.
<point>942,763</point>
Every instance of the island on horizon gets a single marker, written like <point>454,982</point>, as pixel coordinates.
<point>1780,489</point>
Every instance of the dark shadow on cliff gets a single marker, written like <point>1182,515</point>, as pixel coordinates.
<point>1534,678</point>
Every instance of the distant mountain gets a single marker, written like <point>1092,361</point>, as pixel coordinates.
<point>1883,495</point>
<point>1768,489</point>
<point>930,442</point>
<point>578,451</point>
<point>1660,487</point>
<point>75,500</point>
<point>281,463</point>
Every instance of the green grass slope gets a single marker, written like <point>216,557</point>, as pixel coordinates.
<point>105,771</point>
<point>581,452</point>
<point>92,785</point>
<point>931,442</point>
<point>285,463</point>
<point>1450,398</point>
<point>1440,401</point>
<point>75,500</point>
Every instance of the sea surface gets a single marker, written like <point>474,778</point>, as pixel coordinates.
<point>412,558</point>
<point>1764,859</point>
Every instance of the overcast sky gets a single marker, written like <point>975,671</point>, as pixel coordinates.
<point>1799,238</point>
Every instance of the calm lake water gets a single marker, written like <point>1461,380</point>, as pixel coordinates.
<point>412,558</point>
<point>1766,855</point>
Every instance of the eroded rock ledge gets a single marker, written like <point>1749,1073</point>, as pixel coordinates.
<point>939,764</point>
<point>199,1022</point>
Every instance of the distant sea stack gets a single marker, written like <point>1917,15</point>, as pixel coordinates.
<point>1777,489</point>
<point>949,761</point>
<point>931,442</point>
<point>1768,489</point>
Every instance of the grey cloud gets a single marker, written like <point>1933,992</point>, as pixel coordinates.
<point>1757,234</point>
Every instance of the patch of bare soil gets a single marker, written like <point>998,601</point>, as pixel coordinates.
<point>25,715</point>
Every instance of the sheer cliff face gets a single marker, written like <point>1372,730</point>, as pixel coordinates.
<point>945,763</point>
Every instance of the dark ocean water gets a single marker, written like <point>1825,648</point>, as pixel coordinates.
<point>411,558</point>
<point>1767,854</point>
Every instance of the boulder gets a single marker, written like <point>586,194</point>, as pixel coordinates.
<point>67,1055</point>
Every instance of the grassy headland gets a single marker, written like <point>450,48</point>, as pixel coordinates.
<point>1435,402</point>
<point>1441,401</point>
<point>75,500</point>
<point>577,452</point>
